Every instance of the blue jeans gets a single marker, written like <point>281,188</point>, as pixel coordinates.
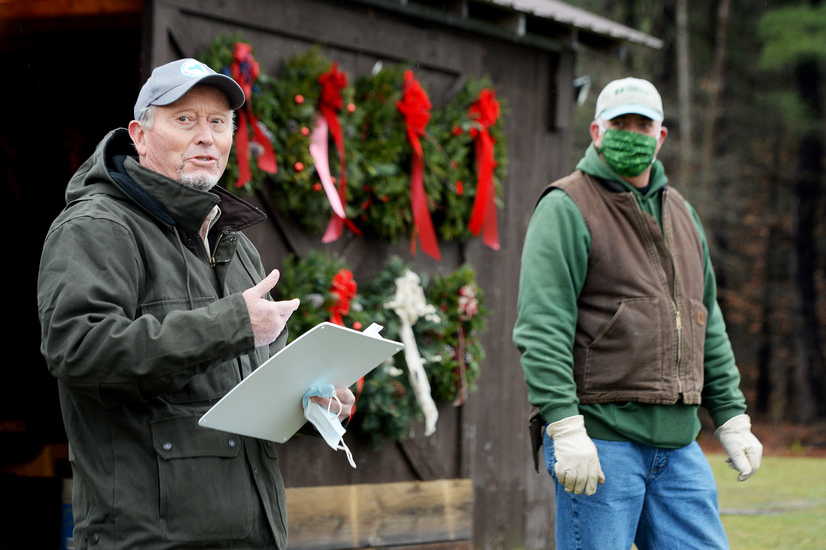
<point>655,498</point>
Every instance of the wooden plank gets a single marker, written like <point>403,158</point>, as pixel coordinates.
<point>506,501</point>
<point>462,545</point>
<point>342,27</point>
<point>380,514</point>
<point>36,9</point>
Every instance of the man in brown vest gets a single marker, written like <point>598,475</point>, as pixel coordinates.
<point>622,340</point>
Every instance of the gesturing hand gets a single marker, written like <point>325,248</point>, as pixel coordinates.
<point>268,318</point>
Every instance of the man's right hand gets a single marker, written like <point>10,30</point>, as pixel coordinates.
<point>268,318</point>
<point>577,464</point>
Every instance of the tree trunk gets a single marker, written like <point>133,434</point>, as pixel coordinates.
<point>771,291</point>
<point>684,83</point>
<point>715,88</point>
<point>812,381</point>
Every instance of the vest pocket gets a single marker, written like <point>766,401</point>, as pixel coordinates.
<point>692,368</point>
<point>627,354</point>
<point>204,485</point>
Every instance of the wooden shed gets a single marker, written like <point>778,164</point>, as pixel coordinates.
<point>472,483</point>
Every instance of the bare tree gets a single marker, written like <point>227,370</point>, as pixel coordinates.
<point>715,86</point>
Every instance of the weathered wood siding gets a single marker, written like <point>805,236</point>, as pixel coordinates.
<point>486,440</point>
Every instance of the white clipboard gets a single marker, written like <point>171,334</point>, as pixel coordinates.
<point>267,403</point>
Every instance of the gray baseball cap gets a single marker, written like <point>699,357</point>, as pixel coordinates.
<point>170,82</point>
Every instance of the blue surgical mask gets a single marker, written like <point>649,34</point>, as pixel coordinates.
<point>326,420</point>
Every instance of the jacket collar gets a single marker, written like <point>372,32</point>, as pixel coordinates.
<point>173,203</point>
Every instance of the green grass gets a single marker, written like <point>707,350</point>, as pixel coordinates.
<point>782,506</point>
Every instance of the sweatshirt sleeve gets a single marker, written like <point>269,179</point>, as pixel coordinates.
<point>98,341</point>
<point>554,264</point>
<point>722,396</point>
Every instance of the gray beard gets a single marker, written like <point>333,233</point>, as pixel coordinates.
<point>197,181</point>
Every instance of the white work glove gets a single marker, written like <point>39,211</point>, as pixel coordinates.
<point>743,449</point>
<point>577,464</point>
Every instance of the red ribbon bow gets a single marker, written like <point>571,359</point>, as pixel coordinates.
<point>330,103</point>
<point>485,111</point>
<point>344,289</point>
<point>415,106</point>
<point>245,71</point>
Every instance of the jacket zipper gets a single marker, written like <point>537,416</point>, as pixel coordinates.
<point>675,306</point>
<point>212,262</point>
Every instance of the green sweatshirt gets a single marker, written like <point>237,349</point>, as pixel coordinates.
<point>554,267</point>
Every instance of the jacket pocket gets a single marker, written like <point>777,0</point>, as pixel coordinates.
<point>205,492</point>
<point>627,353</point>
<point>271,466</point>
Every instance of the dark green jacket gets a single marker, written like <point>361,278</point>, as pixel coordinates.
<point>144,335</point>
<point>553,271</point>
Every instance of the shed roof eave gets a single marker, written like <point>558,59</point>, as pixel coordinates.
<point>582,20</point>
<point>592,29</point>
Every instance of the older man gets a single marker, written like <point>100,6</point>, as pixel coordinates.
<point>153,305</point>
<point>621,340</point>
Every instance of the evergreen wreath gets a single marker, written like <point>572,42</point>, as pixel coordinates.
<point>387,405</point>
<point>386,402</point>
<point>455,130</point>
<point>297,189</point>
<point>379,169</point>
<point>377,199</point>
<point>454,348</point>
<point>375,144</point>
<point>287,107</point>
<point>220,57</point>
<point>311,280</point>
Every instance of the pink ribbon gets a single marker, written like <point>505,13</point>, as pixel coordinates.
<point>329,103</point>
<point>320,154</point>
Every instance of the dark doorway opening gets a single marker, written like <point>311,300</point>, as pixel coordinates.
<point>66,82</point>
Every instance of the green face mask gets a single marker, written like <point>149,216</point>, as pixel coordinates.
<point>628,153</point>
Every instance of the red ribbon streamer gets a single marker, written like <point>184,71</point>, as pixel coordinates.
<point>485,111</point>
<point>329,103</point>
<point>344,289</point>
<point>415,106</point>
<point>245,71</point>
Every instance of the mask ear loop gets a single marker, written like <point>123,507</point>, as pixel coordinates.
<point>330,404</point>
<point>341,446</point>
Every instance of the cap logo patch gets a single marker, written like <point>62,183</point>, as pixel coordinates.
<point>194,69</point>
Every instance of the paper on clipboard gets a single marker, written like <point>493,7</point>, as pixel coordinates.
<point>267,403</point>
